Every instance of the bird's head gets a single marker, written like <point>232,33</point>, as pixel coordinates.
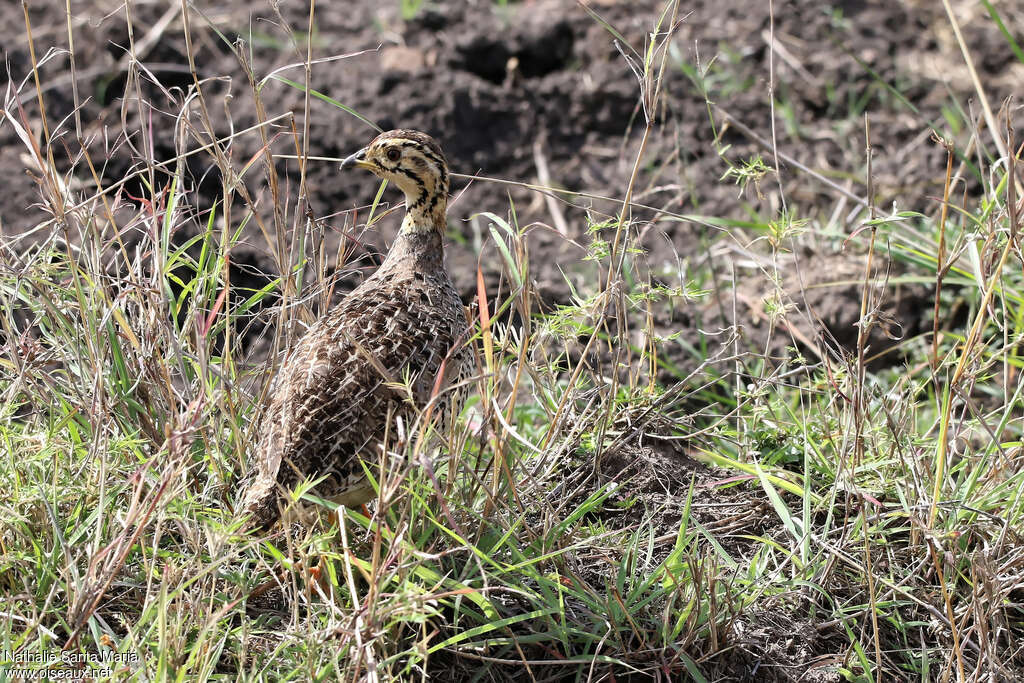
<point>414,162</point>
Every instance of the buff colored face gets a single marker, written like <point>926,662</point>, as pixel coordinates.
<point>409,164</point>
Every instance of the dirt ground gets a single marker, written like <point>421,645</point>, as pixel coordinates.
<point>539,91</point>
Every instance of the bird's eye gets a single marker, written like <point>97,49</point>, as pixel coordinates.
<point>394,154</point>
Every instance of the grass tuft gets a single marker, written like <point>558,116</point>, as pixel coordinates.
<point>622,497</point>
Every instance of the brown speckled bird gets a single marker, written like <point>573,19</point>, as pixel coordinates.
<point>405,325</point>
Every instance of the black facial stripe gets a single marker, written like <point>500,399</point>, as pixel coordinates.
<point>407,172</point>
<point>438,161</point>
<point>422,199</point>
<point>424,194</point>
<point>426,154</point>
<point>424,150</point>
<point>442,170</point>
<point>426,198</point>
<point>401,135</point>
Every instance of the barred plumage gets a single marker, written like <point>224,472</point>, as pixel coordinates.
<point>329,405</point>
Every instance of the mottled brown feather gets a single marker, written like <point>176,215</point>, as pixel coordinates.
<point>329,406</point>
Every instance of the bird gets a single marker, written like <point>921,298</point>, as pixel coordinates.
<point>396,345</point>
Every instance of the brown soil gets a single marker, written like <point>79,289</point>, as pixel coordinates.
<point>570,102</point>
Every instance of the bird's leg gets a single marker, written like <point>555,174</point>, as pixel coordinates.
<point>315,573</point>
<point>320,574</point>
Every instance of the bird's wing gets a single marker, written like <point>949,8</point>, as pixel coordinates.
<point>332,394</point>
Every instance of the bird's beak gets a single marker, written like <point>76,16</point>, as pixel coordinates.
<point>357,160</point>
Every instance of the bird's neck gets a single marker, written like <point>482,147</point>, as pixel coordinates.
<point>415,250</point>
<point>420,242</point>
<point>424,213</point>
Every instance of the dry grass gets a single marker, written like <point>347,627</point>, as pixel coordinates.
<point>573,525</point>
